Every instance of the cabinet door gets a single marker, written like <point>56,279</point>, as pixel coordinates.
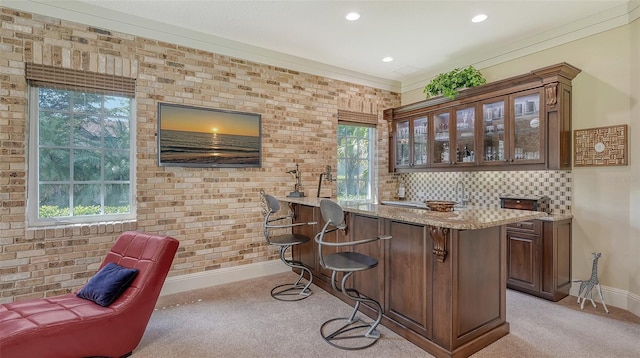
<point>465,138</point>
<point>402,144</point>
<point>440,124</point>
<point>306,253</point>
<point>408,269</point>
<point>336,236</point>
<point>494,132</point>
<point>523,261</point>
<point>420,142</point>
<point>369,282</point>
<point>528,128</point>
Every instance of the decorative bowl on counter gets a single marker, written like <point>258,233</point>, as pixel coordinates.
<point>440,205</point>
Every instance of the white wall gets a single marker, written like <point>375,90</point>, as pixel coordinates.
<point>606,200</point>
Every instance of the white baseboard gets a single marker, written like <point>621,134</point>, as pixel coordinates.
<point>194,281</point>
<point>612,297</point>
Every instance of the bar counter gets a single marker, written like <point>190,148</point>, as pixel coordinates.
<point>441,278</point>
<point>460,218</point>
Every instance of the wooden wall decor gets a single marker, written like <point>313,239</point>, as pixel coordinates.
<point>601,146</point>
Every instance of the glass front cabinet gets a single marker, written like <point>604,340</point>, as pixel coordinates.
<point>523,122</point>
<point>512,130</point>
<point>411,143</point>
<point>454,133</point>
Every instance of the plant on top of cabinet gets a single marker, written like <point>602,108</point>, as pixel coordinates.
<point>449,83</point>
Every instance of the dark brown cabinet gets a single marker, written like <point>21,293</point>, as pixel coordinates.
<point>454,137</point>
<point>512,132</point>
<point>523,122</point>
<point>306,253</point>
<point>449,305</point>
<point>538,253</point>
<point>412,143</point>
<point>524,248</point>
<point>408,294</point>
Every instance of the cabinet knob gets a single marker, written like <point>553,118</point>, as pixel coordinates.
<point>517,201</point>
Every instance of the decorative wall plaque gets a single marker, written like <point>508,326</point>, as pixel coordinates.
<point>600,146</point>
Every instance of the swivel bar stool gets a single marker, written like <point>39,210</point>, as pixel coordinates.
<point>290,291</point>
<point>349,336</point>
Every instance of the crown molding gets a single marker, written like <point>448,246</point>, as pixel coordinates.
<point>607,20</point>
<point>85,13</point>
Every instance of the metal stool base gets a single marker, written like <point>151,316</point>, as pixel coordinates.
<point>291,292</point>
<point>349,332</point>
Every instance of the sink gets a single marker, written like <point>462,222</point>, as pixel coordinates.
<point>412,204</point>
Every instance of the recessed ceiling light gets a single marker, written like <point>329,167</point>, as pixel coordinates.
<point>353,16</point>
<point>387,59</point>
<point>479,18</point>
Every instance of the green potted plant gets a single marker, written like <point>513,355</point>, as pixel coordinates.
<point>449,83</point>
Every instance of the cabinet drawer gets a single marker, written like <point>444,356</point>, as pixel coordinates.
<point>531,226</point>
<point>521,204</point>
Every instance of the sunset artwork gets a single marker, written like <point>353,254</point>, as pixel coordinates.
<point>202,137</point>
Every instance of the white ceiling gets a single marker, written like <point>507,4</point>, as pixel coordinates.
<point>424,37</point>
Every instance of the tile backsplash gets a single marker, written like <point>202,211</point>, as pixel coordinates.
<point>484,189</point>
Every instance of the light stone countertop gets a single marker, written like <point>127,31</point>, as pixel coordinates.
<point>556,217</point>
<point>460,218</point>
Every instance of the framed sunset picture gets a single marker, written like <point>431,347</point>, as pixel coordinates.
<point>205,137</point>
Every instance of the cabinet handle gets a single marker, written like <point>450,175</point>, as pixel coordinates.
<point>519,225</point>
<point>517,201</point>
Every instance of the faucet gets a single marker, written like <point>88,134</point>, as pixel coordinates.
<point>462,199</point>
<point>327,176</point>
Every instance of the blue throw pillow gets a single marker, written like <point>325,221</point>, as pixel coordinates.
<point>108,284</point>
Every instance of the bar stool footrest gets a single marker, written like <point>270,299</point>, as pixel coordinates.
<point>349,333</point>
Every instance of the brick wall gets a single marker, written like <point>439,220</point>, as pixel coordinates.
<point>215,213</point>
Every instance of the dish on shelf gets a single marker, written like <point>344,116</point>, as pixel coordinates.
<point>534,123</point>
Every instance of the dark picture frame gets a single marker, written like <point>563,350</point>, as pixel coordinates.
<point>201,137</point>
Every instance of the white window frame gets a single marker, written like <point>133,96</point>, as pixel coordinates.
<point>33,205</point>
<point>372,178</point>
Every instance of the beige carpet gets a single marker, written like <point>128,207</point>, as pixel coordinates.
<point>242,320</point>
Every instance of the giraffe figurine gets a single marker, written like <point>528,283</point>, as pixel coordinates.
<point>587,286</point>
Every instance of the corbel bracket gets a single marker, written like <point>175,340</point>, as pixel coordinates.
<point>439,236</point>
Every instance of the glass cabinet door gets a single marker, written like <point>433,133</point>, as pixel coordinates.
<point>420,142</point>
<point>402,144</point>
<point>465,135</point>
<point>527,128</point>
<point>441,139</point>
<point>494,128</point>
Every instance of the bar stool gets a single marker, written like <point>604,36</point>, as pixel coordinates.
<point>356,331</point>
<point>289,291</point>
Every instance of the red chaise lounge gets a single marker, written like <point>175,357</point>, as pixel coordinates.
<point>74,327</point>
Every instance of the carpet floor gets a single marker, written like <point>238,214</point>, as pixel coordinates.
<point>242,320</point>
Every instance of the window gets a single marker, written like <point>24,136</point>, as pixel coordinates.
<point>356,162</point>
<point>81,156</point>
